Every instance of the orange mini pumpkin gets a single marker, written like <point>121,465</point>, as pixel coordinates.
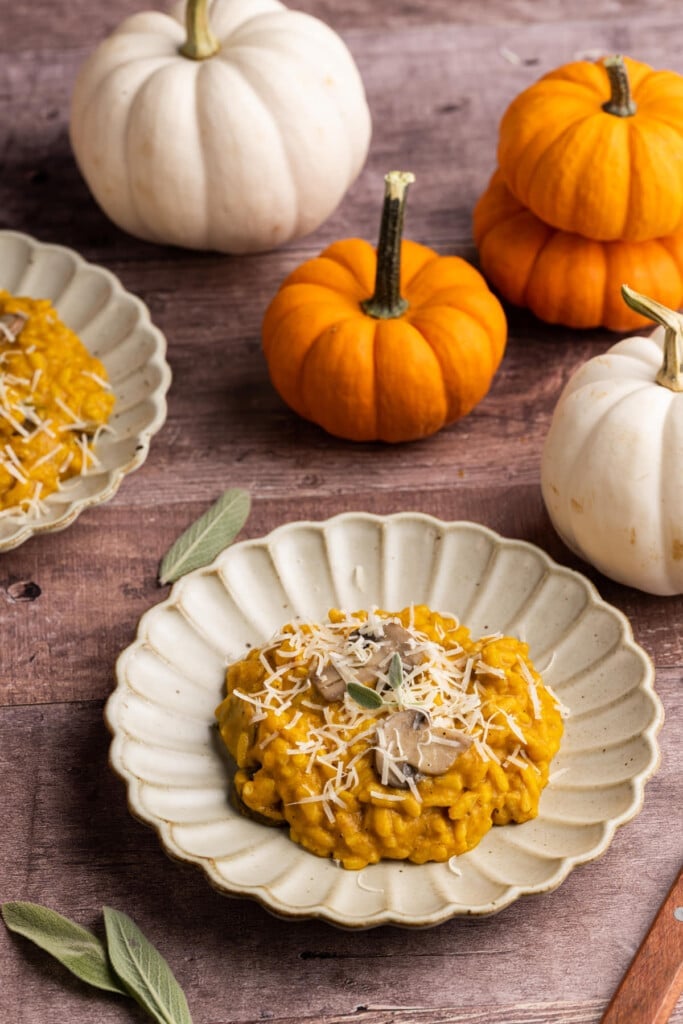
<point>564,278</point>
<point>597,149</point>
<point>387,345</point>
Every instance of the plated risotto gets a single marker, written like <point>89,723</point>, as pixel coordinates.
<point>54,401</point>
<point>388,735</point>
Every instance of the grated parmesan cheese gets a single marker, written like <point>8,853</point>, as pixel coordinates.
<point>531,683</point>
<point>50,388</point>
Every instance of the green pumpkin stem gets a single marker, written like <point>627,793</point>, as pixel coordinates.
<point>620,102</point>
<point>201,42</point>
<point>386,303</point>
<point>671,373</point>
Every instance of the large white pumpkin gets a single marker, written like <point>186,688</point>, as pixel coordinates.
<point>237,150</point>
<point>612,465</point>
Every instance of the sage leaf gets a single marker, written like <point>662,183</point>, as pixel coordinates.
<point>76,948</point>
<point>396,671</point>
<point>206,537</point>
<point>143,971</point>
<point>363,695</point>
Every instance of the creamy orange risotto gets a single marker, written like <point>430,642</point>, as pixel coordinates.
<point>54,399</point>
<point>388,735</point>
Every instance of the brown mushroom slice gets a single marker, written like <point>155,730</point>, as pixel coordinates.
<point>396,639</point>
<point>442,749</point>
<point>409,745</point>
<point>367,672</point>
<point>329,683</point>
<point>12,324</point>
<point>402,640</point>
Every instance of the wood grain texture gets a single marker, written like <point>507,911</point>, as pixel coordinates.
<point>63,643</point>
<point>83,850</point>
<point>438,76</point>
<point>26,28</point>
<point>653,983</point>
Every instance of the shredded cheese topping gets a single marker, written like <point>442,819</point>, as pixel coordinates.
<point>380,734</point>
<point>443,683</point>
<point>54,403</point>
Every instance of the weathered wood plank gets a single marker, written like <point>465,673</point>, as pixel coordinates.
<point>29,23</point>
<point>70,842</point>
<point>67,838</point>
<point>446,127</point>
<point>99,576</point>
<point>589,1012</point>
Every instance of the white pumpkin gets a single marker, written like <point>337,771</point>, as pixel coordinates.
<point>235,137</point>
<point>612,464</point>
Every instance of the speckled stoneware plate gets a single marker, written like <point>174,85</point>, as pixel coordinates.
<point>115,326</point>
<point>172,677</point>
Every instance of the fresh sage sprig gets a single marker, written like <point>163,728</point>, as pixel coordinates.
<point>128,964</point>
<point>372,700</point>
<point>205,538</point>
<point>76,948</point>
<point>396,672</point>
<point>365,696</point>
<point>143,970</point>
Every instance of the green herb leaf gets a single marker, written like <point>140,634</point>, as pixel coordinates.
<point>212,532</point>
<point>143,971</point>
<point>364,696</point>
<point>76,948</point>
<point>396,671</point>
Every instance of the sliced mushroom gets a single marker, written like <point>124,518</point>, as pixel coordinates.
<point>368,634</point>
<point>396,639</point>
<point>409,745</point>
<point>12,324</point>
<point>329,683</point>
<point>403,641</point>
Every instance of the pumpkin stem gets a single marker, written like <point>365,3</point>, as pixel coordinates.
<point>620,102</point>
<point>386,303</point>
<point>201,42</point>
<point>671,374</point>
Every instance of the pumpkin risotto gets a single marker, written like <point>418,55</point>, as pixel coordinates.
<point>380,735</point>
<point>54,400</point>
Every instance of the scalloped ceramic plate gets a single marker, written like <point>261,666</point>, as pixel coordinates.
<point>115,326</point>
<point>172,677</point>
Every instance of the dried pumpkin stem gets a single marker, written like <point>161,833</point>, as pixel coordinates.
<point>620,102</point>
<point>201,42</point>
<point>671,373</point>
<point>387,303</point>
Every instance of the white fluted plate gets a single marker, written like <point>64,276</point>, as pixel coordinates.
<point>113,325</point>
<point>172,677</point>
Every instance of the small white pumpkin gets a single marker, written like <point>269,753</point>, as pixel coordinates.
<point>612,465</point>
<point>236,137</point>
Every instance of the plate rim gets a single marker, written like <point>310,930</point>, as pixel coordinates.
<point>386,916</point>
<point>26,530</point>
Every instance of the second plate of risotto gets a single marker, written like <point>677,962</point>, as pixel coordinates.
<point>83,383</point>
<point>384,720</point>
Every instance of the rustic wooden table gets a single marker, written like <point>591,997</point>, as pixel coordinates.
<point>438,75</point>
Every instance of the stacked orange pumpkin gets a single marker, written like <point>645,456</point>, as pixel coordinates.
<point>588,194</point>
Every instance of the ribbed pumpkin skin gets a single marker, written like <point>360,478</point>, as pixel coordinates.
<point>239,152</point>
<point>564,278</point>
<point>583,170</point>
<point>611,467</point>
<point>366,379</point>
